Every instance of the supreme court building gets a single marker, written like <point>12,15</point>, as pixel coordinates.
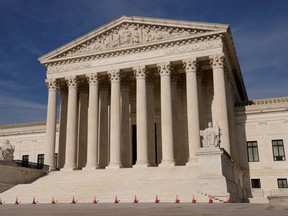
<point>139,93</point>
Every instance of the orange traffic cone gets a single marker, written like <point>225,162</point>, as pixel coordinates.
<point>177,200</point>
<point>94,200</point>
<point>193,199</point>
<point>17,201</point>
<point>210,199</point>
<point>116,200</point>
<point>135,199</point>
<point>34,201</point>
<point>157,200</point>
<point>73,201</point>
<point>1,202</point>
<point>53,201</point>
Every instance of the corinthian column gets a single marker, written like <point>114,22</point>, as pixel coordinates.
<point>92,147</point>
<point>190,66</point>
<point>166,115</point>
<point>51,123</point>
<point>115,138</point>
<point>141,116</point>
<point>220,112</point>
<point>71,133</point>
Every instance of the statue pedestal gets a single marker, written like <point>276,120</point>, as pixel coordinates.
<point>218,174</point>
<point>209,161</point>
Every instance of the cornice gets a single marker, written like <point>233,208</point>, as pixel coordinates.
<point>279,100</point>
<point>269,105</point>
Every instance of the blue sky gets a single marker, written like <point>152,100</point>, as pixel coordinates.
<point>32,28</point>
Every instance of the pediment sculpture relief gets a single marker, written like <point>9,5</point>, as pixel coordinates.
<point>6,151</point>
<point>130,34</point>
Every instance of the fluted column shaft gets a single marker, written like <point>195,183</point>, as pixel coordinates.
<point>115,138</point>
<point>51,123</point>
<point>190,66</point>
<point>92,139</point>
<point>71,132</point>
<point>220,115</point>
<point>166,115</point>
<point>141,116</point>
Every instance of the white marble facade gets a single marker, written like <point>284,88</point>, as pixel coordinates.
<point>136,92</point>
<point>127,86</point>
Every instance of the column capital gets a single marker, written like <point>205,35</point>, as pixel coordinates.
<point>92,78</point>
<point>71,81</point>
<point>164,68</point>
<point>190,65</point>
<point>114,75</point>
<point>51,84</point>
<point>217,60</point>
<point>140,72</point>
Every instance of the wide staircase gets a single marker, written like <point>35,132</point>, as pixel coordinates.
<point>105,184</point>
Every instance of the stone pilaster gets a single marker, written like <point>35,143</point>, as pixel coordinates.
<point>190,66</point>
<point>220,111</point>
<point>51,123</point>
<point>166,115</point>
<point>115,137</point>
<point>71,133</point>
<point>141,116</point>
<point>92,140</point>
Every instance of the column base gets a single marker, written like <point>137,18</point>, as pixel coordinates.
<point>141,164</point>
<point>167,163</point>
<point>114,165</point>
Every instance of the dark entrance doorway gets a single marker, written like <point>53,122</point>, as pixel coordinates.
<point>134,144</point>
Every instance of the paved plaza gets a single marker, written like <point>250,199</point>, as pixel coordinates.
<point>237,209</point>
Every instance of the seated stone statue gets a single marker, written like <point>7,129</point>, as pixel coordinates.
<point>211,136</point>
<point>6,151</point>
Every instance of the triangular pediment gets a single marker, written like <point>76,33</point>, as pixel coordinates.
<point>128,32</point>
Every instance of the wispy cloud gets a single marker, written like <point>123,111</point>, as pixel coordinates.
<point>13,86</point>
<point>6,101</point>
<point>16,110</point>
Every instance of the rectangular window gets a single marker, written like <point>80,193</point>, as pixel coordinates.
<point>25,160</point>
<point>40,161</point>
<point>252,150</point>
<point>255,183</point>
<point>278,150</point>
<point>282,183</point>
